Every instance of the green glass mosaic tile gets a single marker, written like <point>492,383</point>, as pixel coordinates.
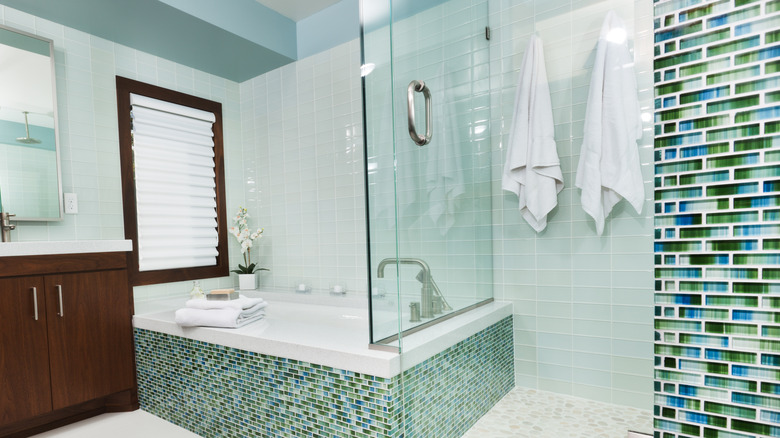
<point>756,115</point>
<point>707,38</point>
<point>670,181</point>
<point>732,160</point>
<point>732,104</point>
<point>730,356</point>
<point>703,313</point>
<point>676,350</point>
<point>690,192</point>
<point>703,367</point>
<point>714,433</point>
<point>772,127</point>
<point>771,331</point>
<point>770,388</point>
<point>733,46</point>
<point>731,301</point>
<point>773,6</point>
<point>696,417</point>
<point>676,32</point>
<point>745,273</point>
<point>702,11</point>
<point>703,232</point>
<point>756,259</point>
<point>670,128</point>
<point>669,47</point>
<point>676,87</point>
<point>677,325</point>
<point>678,246</point>
<point>756,26</point>
<point>772,186</point>
<point>682,58</point>
<point>732,245</point>
<point>770,274</point>
<point>203,387</point>
<point>689,299</point>
<point>706,340</point>
<point>678,140</point>
<point>676,427</point>
<point>772,67</point>
<point>772,156</point>
<point>733,75</point>
<point>772,97</point>
<point>771,215</point>
<point>732,189</point>
<point>707,94</point>
<point>678,273</point>
<point>704,177</point>
<point>756,288</point>
<point>678,113</point>
<point>757,344</point>
<point>727,328</point>
<point>676,376</point>
<point>757,85</point>
<point>748,426</point>
<point>756,55</point>
<point>755,202</point>
<point>731,218</point>
<point>756,143</point>
<point>703,286</point>
<point>733,17</point>
<point>704,67</point>
<point>772,37</point>
<point>757,172</point>
<point>664,8</point>
<point>704,123</point>
<point>735,132</point>
<point>730,410</point>
<point>680,166</point>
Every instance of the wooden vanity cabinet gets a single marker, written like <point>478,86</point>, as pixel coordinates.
<point>76,359</point>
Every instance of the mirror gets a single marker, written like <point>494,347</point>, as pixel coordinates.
<point>30,181</point>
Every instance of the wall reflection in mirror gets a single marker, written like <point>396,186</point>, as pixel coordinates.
<point>30,182</point>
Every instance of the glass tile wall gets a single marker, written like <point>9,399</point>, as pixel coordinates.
<point>717,223</point>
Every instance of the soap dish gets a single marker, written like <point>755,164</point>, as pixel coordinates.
<point>222,295</point>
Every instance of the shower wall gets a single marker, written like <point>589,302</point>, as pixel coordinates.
<point>302,160</point>
<point>582,303</point>
<point>717,218</point>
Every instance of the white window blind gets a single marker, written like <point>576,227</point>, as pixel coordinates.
<point>173,153</point>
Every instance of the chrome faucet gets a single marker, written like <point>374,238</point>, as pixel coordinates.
<point>429,287</point>
<point>6,227</point>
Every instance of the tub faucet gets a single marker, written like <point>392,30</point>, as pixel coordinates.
<point>6,227</point>
<point>426,293</point>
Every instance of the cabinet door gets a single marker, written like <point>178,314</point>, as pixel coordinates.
<point>90,335</point>
<point>24,355</point>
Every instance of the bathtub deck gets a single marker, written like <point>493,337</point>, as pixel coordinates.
<point>324,334</point>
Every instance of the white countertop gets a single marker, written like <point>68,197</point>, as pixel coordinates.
<point>10,249</point>
<point>335,336</point>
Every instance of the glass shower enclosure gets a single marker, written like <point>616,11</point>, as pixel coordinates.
<point>426,90</point>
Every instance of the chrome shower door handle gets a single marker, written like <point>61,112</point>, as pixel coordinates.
<point>419,87</point>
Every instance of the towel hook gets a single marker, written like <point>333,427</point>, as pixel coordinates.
<point>420,87</point>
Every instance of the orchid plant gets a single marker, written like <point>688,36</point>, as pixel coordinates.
<point>245,238</point>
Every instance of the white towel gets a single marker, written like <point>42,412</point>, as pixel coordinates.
<point>609,167</point>
<point>228,317</point>
<point>242,303</point>
<point>443,163</point>
<point>532,170</point>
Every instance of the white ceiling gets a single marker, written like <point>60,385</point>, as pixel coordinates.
<point>297,10</point>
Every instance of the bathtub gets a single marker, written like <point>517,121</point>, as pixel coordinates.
<point>307,369</point>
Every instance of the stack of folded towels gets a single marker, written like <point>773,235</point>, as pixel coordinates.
<point>227,314</point>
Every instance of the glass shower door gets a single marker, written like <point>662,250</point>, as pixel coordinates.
<point>427,111</point>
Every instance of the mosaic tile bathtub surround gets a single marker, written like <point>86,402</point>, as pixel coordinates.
<point>717,223</point>
<point>218,391</point>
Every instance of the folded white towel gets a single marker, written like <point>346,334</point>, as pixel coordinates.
<point>609,167</point>
<point>241,303</point>
<point>227,317</point>
<point>532,170</point>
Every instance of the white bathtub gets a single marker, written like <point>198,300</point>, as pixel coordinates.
<point>322,329</point>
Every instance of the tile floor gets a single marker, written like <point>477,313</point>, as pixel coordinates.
<point>521,413</point>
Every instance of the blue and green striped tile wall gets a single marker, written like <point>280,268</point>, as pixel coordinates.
<point>717,237</point>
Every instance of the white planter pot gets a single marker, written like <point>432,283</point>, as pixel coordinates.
<point>247,282</point>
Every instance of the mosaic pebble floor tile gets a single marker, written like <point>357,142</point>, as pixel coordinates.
<point>528,413</point>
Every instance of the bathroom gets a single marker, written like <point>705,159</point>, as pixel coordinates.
<point>594,351</point>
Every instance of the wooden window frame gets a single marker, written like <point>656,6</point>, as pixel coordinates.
<point>124,87</point>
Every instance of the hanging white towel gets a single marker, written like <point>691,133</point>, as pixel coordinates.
<point>532,170</point>
<point>609,169</point>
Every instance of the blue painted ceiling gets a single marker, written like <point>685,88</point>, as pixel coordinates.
<point>233,39</point>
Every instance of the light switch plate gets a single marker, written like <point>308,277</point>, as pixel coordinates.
<point>71,203</point>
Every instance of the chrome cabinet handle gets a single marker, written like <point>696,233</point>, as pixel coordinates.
<point>35,301</point>
<point>59,294</point>
<point>420,87</point>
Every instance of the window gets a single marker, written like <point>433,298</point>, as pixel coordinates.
<point>172,183</point>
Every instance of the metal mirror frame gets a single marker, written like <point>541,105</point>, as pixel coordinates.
<point>56,128</point>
